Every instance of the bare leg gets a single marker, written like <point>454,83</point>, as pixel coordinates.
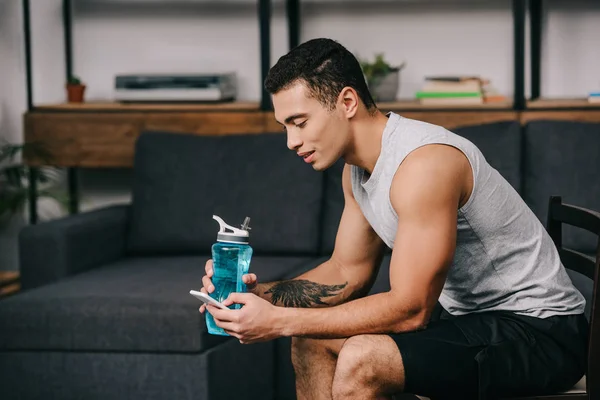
<point>368,367</point>
<point>314,364</point>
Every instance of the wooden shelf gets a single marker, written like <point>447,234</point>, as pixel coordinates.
<point>88,136</point>
<point>142,107</point>
<point>561,104</point>
<point>415,105</point>
<point>400,105</point>
<point>576,110</point>
<point>103,135</point>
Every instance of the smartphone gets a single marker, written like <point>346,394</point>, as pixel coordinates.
<point>206,299</point>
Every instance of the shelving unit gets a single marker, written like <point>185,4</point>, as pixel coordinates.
<point>415,105</point>
<point>400,105</point>
<point>147,107</point>
<point>97,135</point>
<point>38,126</point>
<point>561,104</point>
<point>537,101</point>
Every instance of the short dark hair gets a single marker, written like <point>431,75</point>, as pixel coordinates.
<point>326,67</point>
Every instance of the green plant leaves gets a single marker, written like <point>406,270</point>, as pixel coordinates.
<point>14,192</point>
<point>12,200</point>
<point>38,150</point>
<point>375,71</point>
<point>74,80</point>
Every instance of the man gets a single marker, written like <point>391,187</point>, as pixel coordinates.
<point>459,235</point>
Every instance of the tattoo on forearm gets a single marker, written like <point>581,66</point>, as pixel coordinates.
<point>302,293</point>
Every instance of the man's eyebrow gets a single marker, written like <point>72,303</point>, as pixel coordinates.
<point>293,117</point>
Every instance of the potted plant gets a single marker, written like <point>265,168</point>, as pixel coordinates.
<point>382,78</point>
<point>14,183</point>
<point>75,90</point>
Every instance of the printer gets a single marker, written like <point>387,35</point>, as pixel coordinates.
<point>176,87</point>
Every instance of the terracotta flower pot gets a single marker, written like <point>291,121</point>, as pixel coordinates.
<point>75,93</point>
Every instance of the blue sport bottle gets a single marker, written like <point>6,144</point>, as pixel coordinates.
<point>231,260</point>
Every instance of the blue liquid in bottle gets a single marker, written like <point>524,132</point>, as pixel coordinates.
<point>231,260</point>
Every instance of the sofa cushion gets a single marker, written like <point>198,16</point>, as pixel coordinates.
<point>562,158</point>
<point>181,180</point>
<point>500,143</point>
<point>91,375</point>
<point>135,305</point>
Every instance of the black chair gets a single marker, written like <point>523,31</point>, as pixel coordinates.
<point>588,388</point>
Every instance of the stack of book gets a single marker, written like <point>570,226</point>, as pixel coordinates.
<point>594,97</point>
<point>457,90</point>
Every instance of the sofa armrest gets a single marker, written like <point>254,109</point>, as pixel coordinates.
<point>55,249</point>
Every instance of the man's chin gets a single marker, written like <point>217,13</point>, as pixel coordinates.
<point>317,166</point>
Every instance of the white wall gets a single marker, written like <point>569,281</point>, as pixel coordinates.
<point>570,50</point>
<point>47,50</point>
<point>12,105</point>
<point>463,38</point>
<point>434,37</point>
<point>129,36</point>
<point>12,66</point>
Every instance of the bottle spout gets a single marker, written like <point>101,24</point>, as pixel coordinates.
<point>222,224</point>
<point>235,231</point>
<point>246,224</point>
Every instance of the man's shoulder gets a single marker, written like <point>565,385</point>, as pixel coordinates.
<point>431,158</point>
<point>430,171</point>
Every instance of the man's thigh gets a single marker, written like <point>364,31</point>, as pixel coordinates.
<point>439,361</point>
<point>484,354</point>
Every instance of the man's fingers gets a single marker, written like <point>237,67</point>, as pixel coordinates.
<point>207,283</point>
<point>229,327</point>
<point>222,315</point>
<point>249,279</point>
<point>240,298</point>
<point>208,267</point>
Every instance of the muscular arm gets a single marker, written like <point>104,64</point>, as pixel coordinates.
<point>427,190</point>
<point>347,275</point>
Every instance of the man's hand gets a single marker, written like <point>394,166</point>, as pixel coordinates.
<point>254,322</point>
<point>249,279</point>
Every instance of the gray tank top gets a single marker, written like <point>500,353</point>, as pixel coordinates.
<point>504,258</point>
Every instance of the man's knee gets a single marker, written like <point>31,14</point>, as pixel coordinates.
<point>361,364</point>
<point>353,370</point>
<point>304,348</point>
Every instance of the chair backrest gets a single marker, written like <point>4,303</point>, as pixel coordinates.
<point>559,214</point>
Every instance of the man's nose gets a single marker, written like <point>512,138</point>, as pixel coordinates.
<point>293,141</point>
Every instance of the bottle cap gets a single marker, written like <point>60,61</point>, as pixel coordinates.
<point>236,235</point>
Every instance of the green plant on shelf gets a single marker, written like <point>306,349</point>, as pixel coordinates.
<point>378,69</point>
<point>74,80</point>
<point>14,178</point>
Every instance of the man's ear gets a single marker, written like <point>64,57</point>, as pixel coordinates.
<point>349,101</point>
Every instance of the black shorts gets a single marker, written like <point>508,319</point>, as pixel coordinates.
<point>493,354</point>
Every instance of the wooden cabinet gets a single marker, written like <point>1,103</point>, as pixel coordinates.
<point>103,135</point>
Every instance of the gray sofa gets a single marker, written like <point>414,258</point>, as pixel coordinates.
<point>105,312</point>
